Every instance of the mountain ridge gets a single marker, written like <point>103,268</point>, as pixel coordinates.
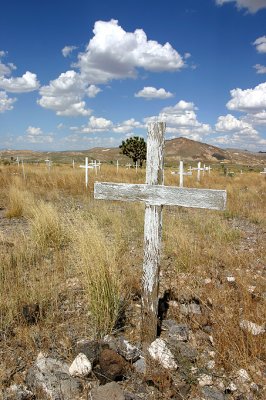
<point>175,150</point>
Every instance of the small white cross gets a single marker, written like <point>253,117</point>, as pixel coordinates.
<point>87,167</point>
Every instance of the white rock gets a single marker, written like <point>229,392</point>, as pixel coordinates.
<point>159,351</point>
<point>242,375</point>
<point>81,366</point>
<point>254,387</point>
<point>205,380</point>
<point>211,364</point>
<point>251,289</point>
<point>232,387</point>
<point>252,327</point>
<point>231,279</point>
<point>211,340</point>
<point>207,281</point>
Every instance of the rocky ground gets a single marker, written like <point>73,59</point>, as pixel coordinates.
<point>180,364</point>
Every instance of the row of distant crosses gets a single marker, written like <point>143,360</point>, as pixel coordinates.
<point>96,165</point>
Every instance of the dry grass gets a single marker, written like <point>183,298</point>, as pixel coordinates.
<point>46,226</point>
<point>95,258</point>
<point>72,237</point>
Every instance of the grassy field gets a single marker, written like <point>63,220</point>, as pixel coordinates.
<point>71,265</point>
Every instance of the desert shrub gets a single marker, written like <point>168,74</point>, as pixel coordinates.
<point>47,227</point>
<point>19,202</point>
<point>96,260</point>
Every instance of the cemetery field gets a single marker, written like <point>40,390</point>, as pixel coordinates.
<point>71,268</point>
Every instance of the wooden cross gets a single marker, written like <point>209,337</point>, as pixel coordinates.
<point>87,167</point>
<point>198,169</point>
<point>154,194</point>
<point>117,165</point>
<point>94,165</point>
<point>48,164</point>
<point>182,173</point>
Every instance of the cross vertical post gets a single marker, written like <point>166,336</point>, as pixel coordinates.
<point>117,165</point>
<point>198,172</point>
<point>86,171</point>
<point>23,170</point>
<point>181,174</point>
<point>152,235</point>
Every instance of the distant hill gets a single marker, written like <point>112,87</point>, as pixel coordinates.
<point>175,150</point>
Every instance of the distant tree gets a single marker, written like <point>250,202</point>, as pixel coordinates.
<point>135,148</point>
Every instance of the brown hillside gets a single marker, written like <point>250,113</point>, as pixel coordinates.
<point>175,150</point>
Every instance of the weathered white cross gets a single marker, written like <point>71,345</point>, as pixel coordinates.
<point>154,194</point>
<point>87,167</point>
<point>264,171</point>
<point>94,165</point>
<point>198,169</point>
<point>48,164</point>
<point>182,173</point>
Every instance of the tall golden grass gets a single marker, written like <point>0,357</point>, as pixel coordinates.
<point>69,236</point>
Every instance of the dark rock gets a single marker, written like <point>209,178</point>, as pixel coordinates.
<point>112,365</point>
<point>182,392</point>
<point>140,365</point>
<point>211,393</point>
<point>127,350</point>
<point>176,331</point>
<point>183,352</point>
<point>110,391</point>
<point>31,313</point>
<point>91,349</point>
<point>163,306</point>
<point>50,377</point>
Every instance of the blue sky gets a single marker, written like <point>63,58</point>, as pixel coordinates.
<point>82,74</point>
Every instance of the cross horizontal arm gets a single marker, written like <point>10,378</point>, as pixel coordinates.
<point>161,195</point>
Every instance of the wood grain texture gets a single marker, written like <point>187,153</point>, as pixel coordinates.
<point>161,195</point>
<point>152,236</point>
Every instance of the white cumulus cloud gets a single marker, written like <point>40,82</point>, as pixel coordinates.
<point>6,103</point>
<point>127,126</point>
<point>103,125</point>
<point>229,123</point>
<point>260,44</point>
<point>181,120</point>
<point>26,83</point>
<point>149,92</point>
<point>261,69</point>
<point>92,91</point>
<point>114,53</point>
<point>256,119</point>
<point>248,100</point>
<point>36,135</point>
<point>237,132</point>
<point>67,50</point>
<point>64,95</point>
<point>251,5</point>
